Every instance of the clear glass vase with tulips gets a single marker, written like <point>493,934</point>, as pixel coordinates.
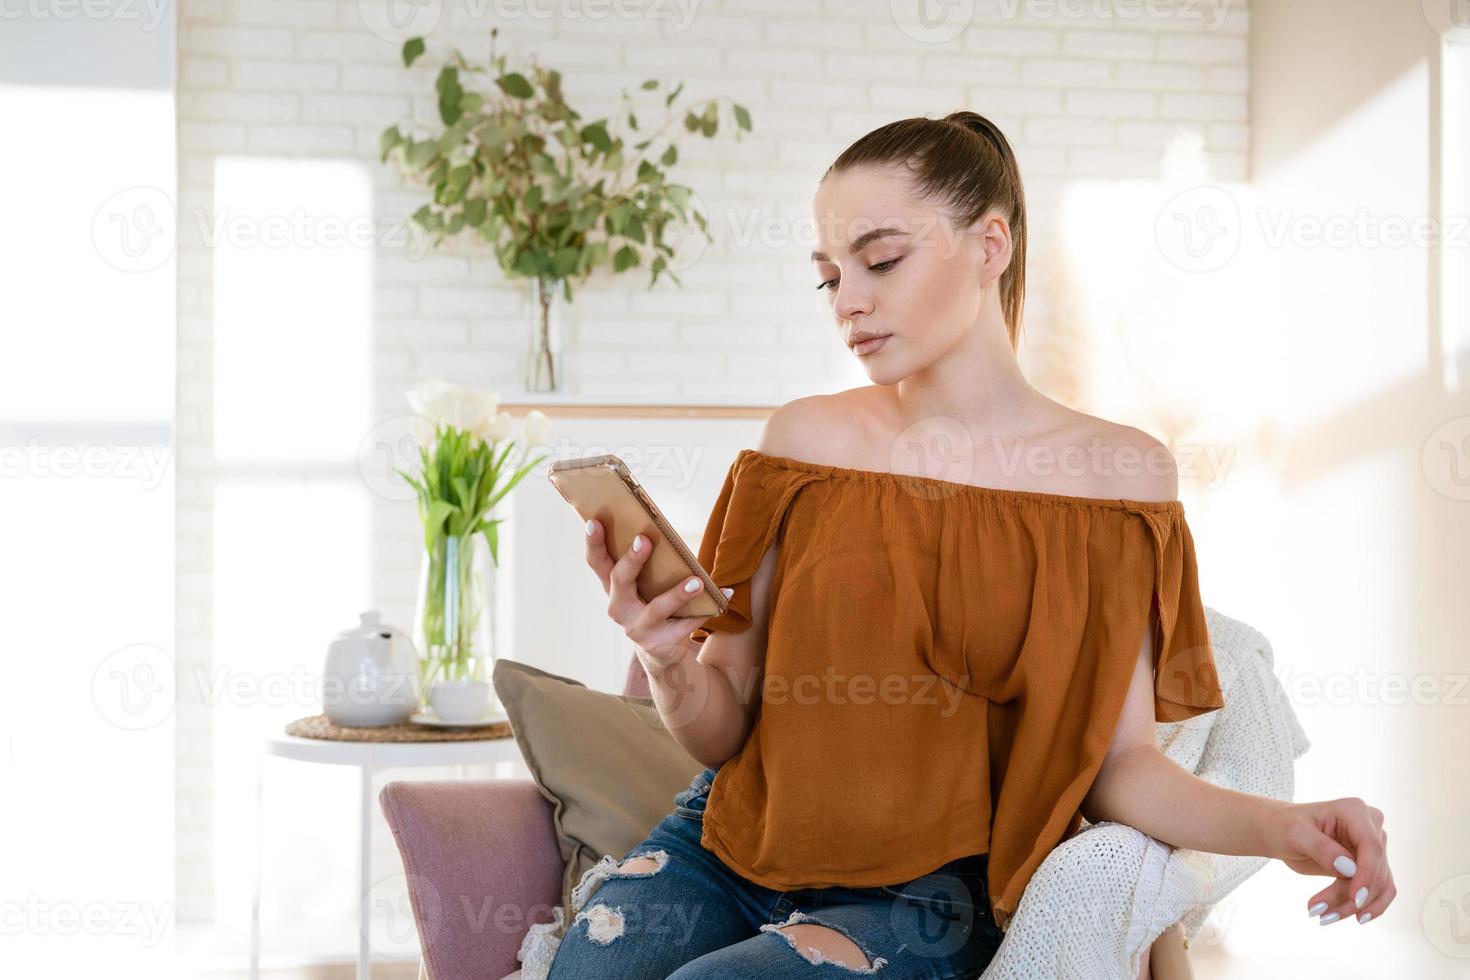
<point>465,469</point>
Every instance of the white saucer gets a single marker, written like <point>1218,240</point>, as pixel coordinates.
<point>429,718</point>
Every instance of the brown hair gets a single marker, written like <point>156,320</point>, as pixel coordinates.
<point>963,162</point>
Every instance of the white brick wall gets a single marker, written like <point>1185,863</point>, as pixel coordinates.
<point>1080,98</point>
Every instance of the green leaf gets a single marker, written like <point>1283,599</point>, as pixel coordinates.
<point>420,154</point>
<point>474,212</point>
<point>596,134</point>
<point>625,258</point>
<point>673,95</point>
<point>742,117</point>
<point>492,538</point>
<point>533,199</point>
<point>515,85</point>
<point>652,83</point>
<point>585,217</point>
<point>439,510</point>
<point>564,262</point>
<point>412,48</point>
<point>450,92</point>
<point>670,157</point>
<point>619,216</point>
<point>391,137</point>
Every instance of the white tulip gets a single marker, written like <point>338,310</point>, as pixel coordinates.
<point>477,408</point>
<point>439,401</point>
<point>425,398</point>
<point>537,426</point>
<point>484,429</point>
<point>500,428</point>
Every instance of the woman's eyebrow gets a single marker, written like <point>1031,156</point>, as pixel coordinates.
<point>862,241</point>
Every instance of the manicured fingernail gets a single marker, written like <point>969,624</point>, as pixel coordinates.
<point>1345,866</point>
<point>1329,917</point>
<point>728,592</point>
<point>1317,909</point>
<point>1361,897</point>
<point>638,546</point>
<point>691,585</point>
<point>591,526</point>
<point>1364,917</point>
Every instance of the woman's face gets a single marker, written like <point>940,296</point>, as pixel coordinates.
<point>912,276</point>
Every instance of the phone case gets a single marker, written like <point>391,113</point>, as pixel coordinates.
<point>602,487</point>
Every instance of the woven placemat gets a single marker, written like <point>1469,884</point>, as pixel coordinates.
<point>320,726</point>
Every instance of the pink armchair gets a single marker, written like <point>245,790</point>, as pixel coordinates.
<point>482,862</point>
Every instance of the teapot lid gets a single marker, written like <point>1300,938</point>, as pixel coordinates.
<point>370,623</point>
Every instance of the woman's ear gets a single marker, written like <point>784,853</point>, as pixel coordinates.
<point>992,240</point>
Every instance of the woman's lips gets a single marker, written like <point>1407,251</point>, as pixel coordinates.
<point>869,346</point>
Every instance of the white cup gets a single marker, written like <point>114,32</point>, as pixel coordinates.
<point>460,701</point>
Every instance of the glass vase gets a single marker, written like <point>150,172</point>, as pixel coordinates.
<point>543,354</point>
<point>454,616</point>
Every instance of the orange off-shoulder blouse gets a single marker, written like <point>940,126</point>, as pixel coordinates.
<point>945,667</point>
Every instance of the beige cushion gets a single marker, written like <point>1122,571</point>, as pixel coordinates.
<point>605,761</point>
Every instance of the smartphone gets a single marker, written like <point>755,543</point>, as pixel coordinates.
<point>601,487</point>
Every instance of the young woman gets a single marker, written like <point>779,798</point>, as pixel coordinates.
<point>957,610</point>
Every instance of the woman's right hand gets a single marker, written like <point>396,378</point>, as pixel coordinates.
<point>660,641</point>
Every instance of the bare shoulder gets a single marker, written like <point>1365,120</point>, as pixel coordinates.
<point>1125,461</point>
<point>817,428</point>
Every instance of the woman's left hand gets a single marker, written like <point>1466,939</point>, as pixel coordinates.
<point>1342,838</point>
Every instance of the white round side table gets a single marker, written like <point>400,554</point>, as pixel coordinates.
<point>367,757</point>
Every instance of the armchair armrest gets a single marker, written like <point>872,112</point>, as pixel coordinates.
<point>483,865</point>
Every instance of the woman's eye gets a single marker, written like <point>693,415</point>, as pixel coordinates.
<point>880,267</point>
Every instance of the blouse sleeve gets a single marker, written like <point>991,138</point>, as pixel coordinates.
<point>747,516</point>
<point>1185,680</point>
<point>1049,737</point>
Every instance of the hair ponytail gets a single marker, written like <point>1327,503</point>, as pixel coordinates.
<point>965,162</point>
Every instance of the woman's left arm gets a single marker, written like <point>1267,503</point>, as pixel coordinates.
<point>1140,786</point>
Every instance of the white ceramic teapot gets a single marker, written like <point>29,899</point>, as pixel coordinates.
<point>371,676</point>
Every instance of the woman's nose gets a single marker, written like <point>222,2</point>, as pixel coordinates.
<point>851,304</point>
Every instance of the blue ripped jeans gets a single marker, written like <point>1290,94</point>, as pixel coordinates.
<point>693,918</point>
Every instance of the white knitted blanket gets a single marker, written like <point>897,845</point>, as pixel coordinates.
<point>1102,896</point>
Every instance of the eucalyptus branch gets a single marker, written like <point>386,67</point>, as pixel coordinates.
<point>517,165</point>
